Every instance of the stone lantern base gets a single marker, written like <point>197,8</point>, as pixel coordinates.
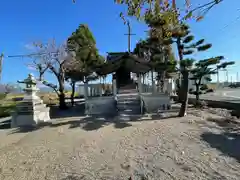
<point>30,112</point>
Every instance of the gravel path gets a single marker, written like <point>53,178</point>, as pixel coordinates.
<point>168,149</point>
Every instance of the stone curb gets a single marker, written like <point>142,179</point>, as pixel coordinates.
<point>235,106</point>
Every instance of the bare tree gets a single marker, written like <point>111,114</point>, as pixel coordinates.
<point>52,58</point>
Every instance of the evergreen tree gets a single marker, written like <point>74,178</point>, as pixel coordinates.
<point>82,45</point>
<point>185,46</point>
<point>203,69</point>
<point>156,49</point>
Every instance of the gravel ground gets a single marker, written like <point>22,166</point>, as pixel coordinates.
<point>200,146</point>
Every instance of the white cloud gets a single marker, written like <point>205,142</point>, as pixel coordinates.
<point>29,46</point>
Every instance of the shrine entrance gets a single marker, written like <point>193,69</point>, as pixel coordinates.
<point>123,78</point>
<point>122,64</point>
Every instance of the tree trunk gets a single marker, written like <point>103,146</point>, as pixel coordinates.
<point>61,96</point>
<point>181,80</point>
<point>73,83</point>
<point>183,109</point>
<point>197,94</point>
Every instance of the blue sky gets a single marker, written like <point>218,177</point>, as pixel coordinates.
<point>23,22</point>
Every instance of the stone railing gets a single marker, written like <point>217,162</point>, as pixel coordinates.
<point>103,105</point>
<point>152,103</point>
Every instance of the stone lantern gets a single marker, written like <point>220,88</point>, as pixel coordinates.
<point>30,111</point>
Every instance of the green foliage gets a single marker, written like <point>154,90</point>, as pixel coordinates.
<point>203,69</point>
<point>3,96</point>
<point>145,8</point>
<point>157,47</point>
<point>86,56</point>
<point>185,45</point>
<point>7,109</point>
<point>188,39</point>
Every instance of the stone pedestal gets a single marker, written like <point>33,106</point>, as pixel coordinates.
<point>31,111</point>
<point>104,105</point>
<point>153,103</point>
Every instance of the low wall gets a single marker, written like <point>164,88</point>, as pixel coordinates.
<point>153,102</point>
<point>100,105</point>
<point>217,104</point>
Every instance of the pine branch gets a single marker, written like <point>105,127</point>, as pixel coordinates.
<point>188,39</point>
<point>204,47</point>
<point>188,52</point>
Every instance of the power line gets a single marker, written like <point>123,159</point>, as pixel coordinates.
<point>29,55</point>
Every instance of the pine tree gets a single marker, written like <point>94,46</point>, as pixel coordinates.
<point>156,49</point>
<point>82,45</point>
<point>203,69</point>
<point>185,46</point>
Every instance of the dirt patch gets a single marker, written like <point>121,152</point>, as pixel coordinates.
<point>193,147</point>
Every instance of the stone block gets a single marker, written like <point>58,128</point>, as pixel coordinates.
<point>100,105</point>
<point>30,118</point>
<point>154,102</point>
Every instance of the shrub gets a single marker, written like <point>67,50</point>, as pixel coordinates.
<point>6,110</point>
<point>2,96</point>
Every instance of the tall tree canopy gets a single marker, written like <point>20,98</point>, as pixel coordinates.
<point>142,8</point>
<point>82,45</point>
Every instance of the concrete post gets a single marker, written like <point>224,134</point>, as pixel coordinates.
<point>100,88</point>
<point>85,90</point>
<point>139,83</point>
<point>114,87</point>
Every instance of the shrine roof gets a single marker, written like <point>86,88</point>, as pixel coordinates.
<point>129,61</point>
<point>112,56</point>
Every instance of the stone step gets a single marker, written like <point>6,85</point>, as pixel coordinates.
<point>127,98</point>
<point>127,91</point>
<point>124,102</point>
<point>132,108</point>
<point>128,95</point>
<point>123,113</point>
<point>129,117</point>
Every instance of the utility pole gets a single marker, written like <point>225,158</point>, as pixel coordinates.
<point>129,34</point>
<point>1,62</point>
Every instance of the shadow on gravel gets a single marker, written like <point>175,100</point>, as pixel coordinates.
<point>96,122</point>
<point>92,123</point>
<point>5,124</point>
<point>25,129</point>
<point>89,123</point>
<point>70,177</point>
<point>227,124</point>
<point>75,111</point>
<point>228,142</point>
